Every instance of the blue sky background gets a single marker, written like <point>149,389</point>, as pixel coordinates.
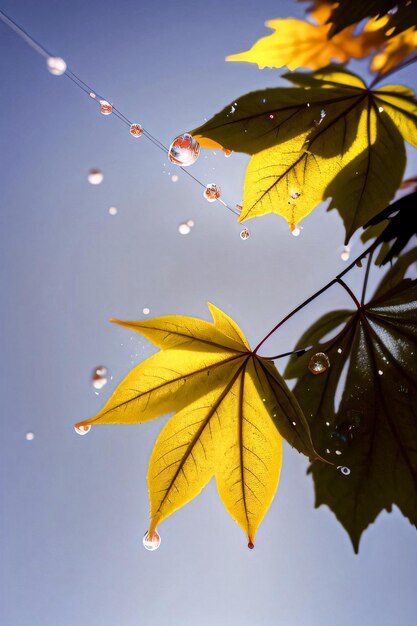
<point>74,509</point>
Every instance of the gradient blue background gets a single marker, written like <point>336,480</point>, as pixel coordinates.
<point>75,508</point>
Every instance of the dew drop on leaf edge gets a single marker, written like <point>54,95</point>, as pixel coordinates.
<point>153,542</point>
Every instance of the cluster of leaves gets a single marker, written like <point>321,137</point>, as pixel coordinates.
<point>328,136</point>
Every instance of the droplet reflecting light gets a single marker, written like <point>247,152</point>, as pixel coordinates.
<point>184,229</point>
<point>295,232</point>
<point>245,234</point>
<point>113,210</point>
<point>184,150</point>
<point>319,363</point>
<point>151,542</point>
<point>30,436</point>
<point>82,430</point>
<point>99,378</point>
<point>95,177</point>
<point>345,254</point>
<point>136,130</point>
<point>227,152</point>
<point>212,192</point>
<point>56,66</point>
<point>105,107</point>
<point>344,470</point>
<point>146,311</point>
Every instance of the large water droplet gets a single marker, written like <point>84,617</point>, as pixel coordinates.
<point>82,430</point>
<point>184,150</point>
<point>136,130</point>
<point>344,470</point>
<point>105,107</point>
<point>151,542</point>
<point>212,192</point>
<point>245,233</point>
<point>95,176</point>
<point>319,363</point>
<point>56,66</point>
<point>99,378</point>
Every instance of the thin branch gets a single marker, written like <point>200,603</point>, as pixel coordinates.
<point>365,282</point>
<point>317,294</point>
<point>298,352</point>
<point>350,292</point>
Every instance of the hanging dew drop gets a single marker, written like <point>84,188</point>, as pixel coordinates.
<point>82,430</point>
<point>227,152</point>
<point>95,176</point>
<point>136,130</point>
<point>245,234</point>
<point>345,254</point>
<point>319,363</point>
<point>151,542</point>
<point>56,66</point>
<point>212,192</point>
<point>184,150</point>
<point>105,107</point>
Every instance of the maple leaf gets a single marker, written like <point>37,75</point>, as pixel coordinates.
<point>400,14</point>
<point>397,222</point>
<point>296,43</point>
<point>232,410</point>
<point>330,137</point>
<point>373,432</point>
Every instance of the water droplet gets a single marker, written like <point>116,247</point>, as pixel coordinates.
<point>245,234</point>
<point>238,208</point>
<point>136,130</point>
<point>146,311</point>
<point>99,377</point>
<point>345,254</point>
<point>82,430</point>
<point>212,192</point>
<point>30,436</point>
<point>308,104</point>
<point>327,423</point>
<point>184,229</point>
<point>105,107</point>
<point>184,150</point>
<point>174,178</point>
<point>227,152</point>
<point>151,542</point>
<point>95,177</point>
<point>339,350</point>
<point>263,100</point>
<point>56,66</point>
<point>338,452</point>
<point>295,232</point>
<point>92,95</point>
<point>271,117</point>
<point>294,423</point>
<point>295,195</point>
<point>319,363</point>
<point>381,109</point>
<point>232,109</point>
<point>113,210</point>
<point>251,545</point>
<point>380,372</point>
<point>345,470</point>
<point>190,223</point>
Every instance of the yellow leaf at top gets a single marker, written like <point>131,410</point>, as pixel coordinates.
<point>296,43</point>
<point>232,409</point>
<point>395,50</point>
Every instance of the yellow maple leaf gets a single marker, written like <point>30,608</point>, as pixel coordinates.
<point>296,44</point>
<point>394,51</point>
<point>232,410</point>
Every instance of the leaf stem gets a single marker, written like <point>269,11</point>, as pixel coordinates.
<point>298,352</point>
<point>350,292</point>
<point>318,293</point>
<point>397,68</point>
<point>365,282</point>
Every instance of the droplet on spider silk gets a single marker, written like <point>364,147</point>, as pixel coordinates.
<point>136,130</point>
<point>227,152</point>
<point>319,363</point>
<point>82,430</point>
<point>92,95</point>
<point>105,107</point>
<point>151,542</point>
<point>344,470</point>
<point>184,150</point>
<point>212,192</point>
<point>184,229</point>
<point>95,177</point>
<point>345,254</point>
<point>56,66</point>
<point>99,378</point>
<point>245,234</point>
